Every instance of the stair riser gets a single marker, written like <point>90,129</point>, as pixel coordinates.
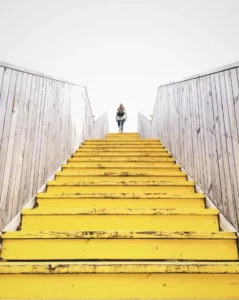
<point>120,178</point>
<point>129,150</point>
<point>119,173</point>
<point>121,164</point>
<point>120,203</point>
<point>122,159</point>
<point>169,169</point>
<point>124,146</point>
<point>120,222</point>
<point>109,286</point>
<point>139,143</point>
<point>121,154</point>
<point>120,189</point>
<point>114,249</point>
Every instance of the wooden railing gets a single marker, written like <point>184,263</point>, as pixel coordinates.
<point>42,122</point>
<point>197,119</point>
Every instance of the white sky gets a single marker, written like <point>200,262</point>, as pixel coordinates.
<point>120,50</point>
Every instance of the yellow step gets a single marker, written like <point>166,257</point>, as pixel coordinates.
<point>119,219</point>
<point>124,146</point>
<point>116,142</point>
<point>121,186</point>
<point>74,176</point>
<point>121,154</point>
<point>121,159</point>
<point>123,135</point>
<point>76,167</point>
<point>119,245</point>
<point>119,280</point>
<point>114,164</point>
<point>120,200</point>
<point>129,150</point>
<point>119,173</point>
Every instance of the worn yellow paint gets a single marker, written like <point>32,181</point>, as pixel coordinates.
<point>119,173</point>
<point>128,249</point>
<point>120,159</point>
<point>121,186</point>
<point>119,164</point>
<point>120,286</point>
<point>122,211</point>
<point>69,189</point>
<point>123,267</point>
<point>141,143</point>
<point>106,195</point>
<point>75,177</point>
<point>124,146</point>
<point>120,154</point>
<point>120,149</point>
<point>133,175</point>
<point>119,222</point>
<point>78,202</point>
<point>122,198</point>
<point>73,168</point>
<point>119,219</point>
<point>122,234</point>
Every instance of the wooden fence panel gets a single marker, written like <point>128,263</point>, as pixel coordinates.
<point>43,120</point>
<point>197,119</point>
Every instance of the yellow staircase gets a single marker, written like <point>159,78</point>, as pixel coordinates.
<point>120,221</point>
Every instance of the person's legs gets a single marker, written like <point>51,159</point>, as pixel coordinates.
<point>122,125</point>
<point>119,125</point>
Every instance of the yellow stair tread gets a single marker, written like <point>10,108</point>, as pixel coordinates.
<point>122,267</point>
<point>119,234</point>
<point>117,211</point>
<point>121,195</point>
<point>132,140</point>
<point>123,174</point>
<point>122,149</point>
<point>120,183</point>
<point>124,166</point>
<point>120,159</point>
<point>124,146</point>
<point>116,142</point>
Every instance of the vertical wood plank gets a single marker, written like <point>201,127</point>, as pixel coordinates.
<point>17,191</point>
<point>7,142</point>
<point>221,107</point>
<point>211,139</point>
<point>207,174</point>
<point>17,117</point>
<point>35,131</point>
<point>232,141</point>
<point>26,166</point>
<point>3,99</point>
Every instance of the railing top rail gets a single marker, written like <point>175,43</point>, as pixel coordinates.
<point>142,115</point>
<point>28,71</point>
<point>217,70</point>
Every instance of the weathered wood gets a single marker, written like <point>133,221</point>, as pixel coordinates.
<point>43,120</point>
<point>17,119</point>
<point>197,119</point>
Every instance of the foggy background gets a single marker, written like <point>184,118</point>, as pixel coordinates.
<point>120,50</point>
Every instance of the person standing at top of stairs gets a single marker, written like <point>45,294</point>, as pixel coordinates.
<point>121,117</point>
